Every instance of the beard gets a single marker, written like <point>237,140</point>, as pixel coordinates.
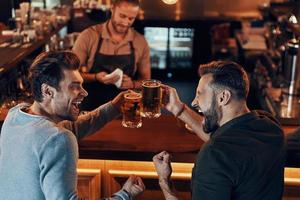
<point>68,113</point>
<point>119,28</point>
<point>211,118</point>
<point>68,116</point>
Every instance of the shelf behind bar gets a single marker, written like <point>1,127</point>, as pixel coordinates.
<point>11,57</point>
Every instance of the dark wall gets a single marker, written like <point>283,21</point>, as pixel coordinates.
<point>5,11</point>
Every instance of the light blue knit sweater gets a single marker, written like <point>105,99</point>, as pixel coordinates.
<point>38,158</point>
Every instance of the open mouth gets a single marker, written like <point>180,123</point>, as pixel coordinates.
<point>76,105</point>
<point>202,115</point>
<point>203,121</point>
<point>200,112</point>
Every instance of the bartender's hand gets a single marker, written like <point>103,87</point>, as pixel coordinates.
<point>101,77</point>
<point>134,186</point>
<point>118,101</point>
<point>127,82</point>
<point>170,99</point>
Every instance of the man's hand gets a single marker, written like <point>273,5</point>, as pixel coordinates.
<point>101,77</point>
<point>118,101</point>
<point>162,163</point>
<point>134,186</point>
<point>127,82</point>
<point>171,100</point>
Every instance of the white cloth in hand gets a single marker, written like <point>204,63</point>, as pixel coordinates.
<point>119,72</point>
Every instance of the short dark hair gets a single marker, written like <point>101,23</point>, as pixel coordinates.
<point>48,68</point>
<point>133,2</point>
<point>228,74</point>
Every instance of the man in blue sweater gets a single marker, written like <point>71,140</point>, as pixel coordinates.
<point>38,143</point>
<point>244,154</point>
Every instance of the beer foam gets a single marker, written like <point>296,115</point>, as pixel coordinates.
<point>151,84</point>
<point>133,95</point>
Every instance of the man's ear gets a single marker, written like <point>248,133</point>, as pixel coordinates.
<point>47,91</point>
<point>112,7</point>
<point>224,97</point>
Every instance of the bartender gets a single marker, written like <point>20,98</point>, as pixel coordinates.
<point>113,44</point>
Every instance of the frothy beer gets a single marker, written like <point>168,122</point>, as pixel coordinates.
<point>151,98</point>
<point>132,110</point>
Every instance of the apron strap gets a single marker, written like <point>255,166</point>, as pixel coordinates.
<point>132,57</point>
<point>100,40</point>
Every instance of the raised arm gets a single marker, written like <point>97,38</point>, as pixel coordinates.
<point>132,188</point>
<point>177,108</point>
<point>143,66</point>
<point>162,163</point>
<point>143,69</point>
<point>93,121</point>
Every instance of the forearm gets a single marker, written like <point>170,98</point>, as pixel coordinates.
<point>137,84</point>
<point>144,72</point>
<point>92,121</point>
<point>168,189</point>
<point>89,77</point>
<point>193,120</point>
<point>120,195</point>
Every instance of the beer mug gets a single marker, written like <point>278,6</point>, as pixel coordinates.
<point>151,98</point>
<point>131,110</point>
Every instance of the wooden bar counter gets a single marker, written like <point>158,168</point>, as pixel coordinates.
<point>110,156</point>
<point>115,142</point>
<point>119,143</point>
<point>116,152</point>
<point>164,133</point>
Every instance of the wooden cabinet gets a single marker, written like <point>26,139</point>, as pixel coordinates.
<point>115,173</point>
<point>119,144</point>
<point>89,184</point>
<point>291,184</point>
<point>102,178</point>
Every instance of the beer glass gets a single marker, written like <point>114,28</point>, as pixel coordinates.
<point>151,98</point>
<point>132,110</point>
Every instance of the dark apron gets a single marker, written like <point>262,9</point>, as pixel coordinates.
<point>100,93</point>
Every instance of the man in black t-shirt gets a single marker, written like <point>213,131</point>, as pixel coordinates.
<point>244,154</point>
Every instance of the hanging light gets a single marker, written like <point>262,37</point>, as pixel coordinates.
<point>170,2</point>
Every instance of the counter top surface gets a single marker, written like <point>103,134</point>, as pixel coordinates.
<point>115,142</point>
<point>165,133</point>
